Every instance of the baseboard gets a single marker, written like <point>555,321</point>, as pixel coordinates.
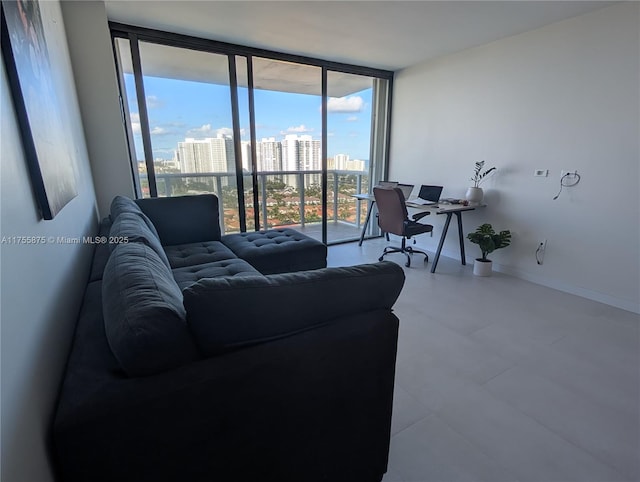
<point>551,283</point>
<point>567,288</point>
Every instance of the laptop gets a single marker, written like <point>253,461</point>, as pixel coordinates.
<point>387,184</point>
<point>429,194</point>
<point>406,189</point>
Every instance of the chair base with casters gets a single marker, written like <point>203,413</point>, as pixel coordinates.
<point>408,251</point>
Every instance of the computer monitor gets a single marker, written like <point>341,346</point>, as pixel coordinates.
<point>406,189</point>
<point>430,193</point>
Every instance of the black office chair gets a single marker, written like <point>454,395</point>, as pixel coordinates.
<point>393,218</point>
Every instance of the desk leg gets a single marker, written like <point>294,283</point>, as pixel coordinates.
<point>461,236</point>
<point>444,235</point>
<point>366,222</point>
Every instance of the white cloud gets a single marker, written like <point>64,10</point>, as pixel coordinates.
<point>352,118</point>
<point>297,130</point>
<point>206,130</point>
<point>159,131</point>
<point>345,104</point>
<point>224,131</point>
<point>136,126</point>
<point>153,102</point>
<point>203,130</point>
<point>135,122</point>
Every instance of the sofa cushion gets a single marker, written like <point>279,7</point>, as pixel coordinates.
<point>143,312</point>
<point>229,313</point>
<point>278,250</point>
<point>184,219</point>
<point>229,267</point>
<point>122,204</point>
<point>131,228</point>
<point>197,253</point>
<point>102,251</point>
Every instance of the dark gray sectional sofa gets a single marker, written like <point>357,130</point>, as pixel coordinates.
<point>201,357</point>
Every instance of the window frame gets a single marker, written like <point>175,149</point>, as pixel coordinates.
<point>136,34</point>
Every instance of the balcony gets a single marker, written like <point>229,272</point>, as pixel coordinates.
<point>285,199</point>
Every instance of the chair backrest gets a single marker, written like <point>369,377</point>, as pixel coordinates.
<point>392,211</point>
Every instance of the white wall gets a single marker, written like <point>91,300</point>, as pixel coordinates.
<point>565,96</point>
<point>40,286</point>
<point>95,75</point>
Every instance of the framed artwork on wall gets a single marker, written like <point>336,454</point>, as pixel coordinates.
<point>44,133</point>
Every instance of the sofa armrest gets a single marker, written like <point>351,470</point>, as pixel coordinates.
<point>183,219</point>
<point>315,406</point>
<point>228,313</point>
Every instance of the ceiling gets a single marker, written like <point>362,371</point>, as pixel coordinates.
<point>197,66</point>
<point>389,35</point>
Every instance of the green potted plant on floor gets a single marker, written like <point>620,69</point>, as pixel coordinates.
<point>488,241</point>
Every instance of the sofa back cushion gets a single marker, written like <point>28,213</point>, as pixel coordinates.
<point>122,204</point>
<point>131,228</point>
<point>184,219</point>
<point>228,313</point>
<point>143,312</point>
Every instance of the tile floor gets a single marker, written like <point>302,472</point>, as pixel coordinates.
<point>499,379</point>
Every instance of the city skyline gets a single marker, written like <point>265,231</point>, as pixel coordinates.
<point>179,109</point>
<point>293,153</point>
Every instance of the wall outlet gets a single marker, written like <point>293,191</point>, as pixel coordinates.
<point>571,173</point>
<point>542,246</point>
<point>541,172</point>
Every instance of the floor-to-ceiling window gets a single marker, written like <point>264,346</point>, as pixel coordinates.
<point>281,140</point>
<point>288,101</point>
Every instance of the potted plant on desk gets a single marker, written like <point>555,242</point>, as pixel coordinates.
<point>475,194</point>
<point>488,241</point>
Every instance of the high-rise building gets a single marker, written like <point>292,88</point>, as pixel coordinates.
<point>290,153</point>
<point>301,153</point>
<point>354,165</point>
<point>309,154</point>
<point>340,161</point>
<point>269,155</point>
<point>246,155</point>
<point>213,154</point>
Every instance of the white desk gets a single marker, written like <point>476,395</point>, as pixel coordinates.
<point>448,209</point>
<point>372,201</point>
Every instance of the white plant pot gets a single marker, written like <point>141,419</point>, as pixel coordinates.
<point>474,195</point>
<point>482,268</point>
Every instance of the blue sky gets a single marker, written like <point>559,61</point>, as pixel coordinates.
<point>179,109</point>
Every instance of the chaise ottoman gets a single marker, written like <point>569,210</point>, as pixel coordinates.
<point>278,250</point>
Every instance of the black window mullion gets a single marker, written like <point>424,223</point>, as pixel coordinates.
<point>254,154</point>
<point>237,144</point>
<point>388,126</point>
<point>144,116</point>
<point>323,153</point>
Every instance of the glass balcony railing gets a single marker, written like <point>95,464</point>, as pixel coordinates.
<point>285,199</point>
